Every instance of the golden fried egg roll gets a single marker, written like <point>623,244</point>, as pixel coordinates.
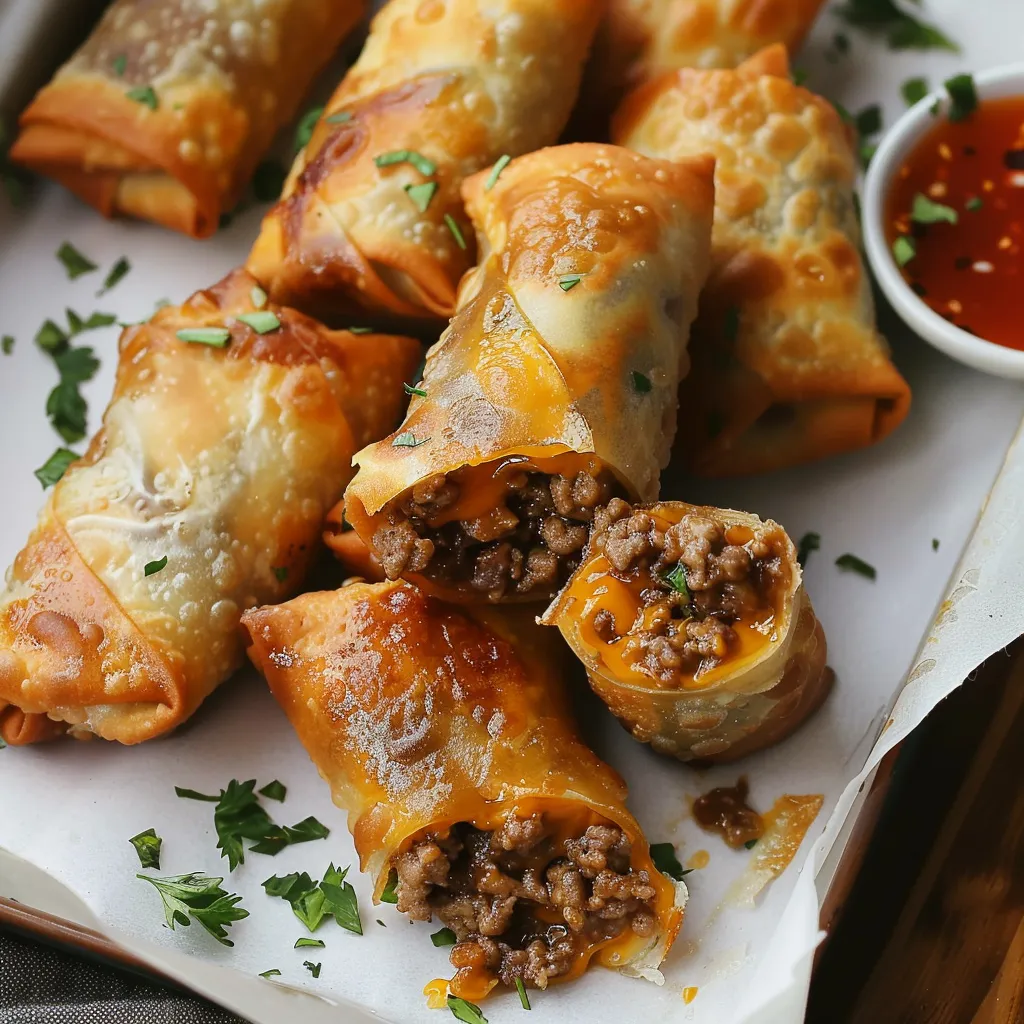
<point>446,736</point>
<point>695,628</point>
<point>554,387</point>
<point>169,105</point>
<point>224,446</point>
<point>641,39</point>
<point>371,214</point>
<point>788,365</point>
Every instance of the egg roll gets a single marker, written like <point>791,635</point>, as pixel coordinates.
<point>446,736</point>
<point>788,365</point>
<point>695,628</point>
<point>371,214</point>
<point>641,39</point>
<point>554,387</point>
<point>169,105</point>
<point>224,446</point>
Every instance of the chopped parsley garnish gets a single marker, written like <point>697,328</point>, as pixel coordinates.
<point>444,937</point>
<point>423,164</point>
<point>914,90</point>
<point>268,181</point>
<point>194,794</point>
<point>851,563</point>
<point>303,942</point>
<point>50,338</point>
<point>840,45</point>
<point>809,542</point>
<point>76,324</point>
<point>567,281</point>
<point>750,844</point>
<point>731,325</point>
<point>869,120</point>
<point>963,97</point>
<point>7,344</point>
<point>238,815</point>
<point>421,194</point>
<point>152,568</point>
<point>464,1010</point>
<point>217,337</point>
<point>274,791</point>
<point>263,321</point>
<point>866,151</point>
<point>410,390</point>
<point>499,165</point>
<point>902,30</point>
<point>925,211</point>
<point>974,203</point>
<point>390,893</point>
<point>935,543</point>
<point>641,383</point>
<point>903,250</point>
<point>799,76</point>
<point>197,896</point>
<point>453,227</point>
<point>663,856</point>
<point>304,129</point>
<point>65,406</point>
<point>313,968</point>
<point>147,845</point>
<point>119,63</point>
<point>676,579</point>
<point>281,572</point>
<point>273,972</point>
<point>312,901</point>
<point>74,262</point>
<point>338,118</point>
<point>524,999</point>
<point>407,439</point>
<point>116,272</point>
<point>145,95</point>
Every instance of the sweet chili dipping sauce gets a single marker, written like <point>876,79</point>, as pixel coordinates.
<point>955,220</point>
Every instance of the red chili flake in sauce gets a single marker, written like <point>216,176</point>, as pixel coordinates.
<point>970,272</point>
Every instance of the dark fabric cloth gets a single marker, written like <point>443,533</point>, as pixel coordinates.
<point>43,985</point>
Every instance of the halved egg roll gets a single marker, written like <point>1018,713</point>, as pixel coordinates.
<point>695,628</point>
<point>446,736</point>
<point>167,108</point>
<point>371,214</point>
<point>229,436</point>
<point>554,387</point>
<point>787,363</point>
<point>641,39</point>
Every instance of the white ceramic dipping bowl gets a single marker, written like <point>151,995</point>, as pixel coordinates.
<point>896,146</point>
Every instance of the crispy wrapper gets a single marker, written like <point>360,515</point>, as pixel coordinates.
<point>787,363</point>
<point>420,716</point>
<point>221,460</point>
<point>459,85</point>
<point>570,339</point>
<point>752,695</point>
<point>169,105</point>
<point>641,39</point>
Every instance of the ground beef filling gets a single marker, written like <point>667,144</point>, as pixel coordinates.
<point>698,584</point>
<point>529,544</point>
<point>521,904</point>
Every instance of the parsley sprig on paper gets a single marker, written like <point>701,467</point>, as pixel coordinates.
<point>312,901</point>
<point>199,897</point>
<point>239,815</point>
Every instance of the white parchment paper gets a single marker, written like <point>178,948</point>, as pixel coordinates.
<point>68,809</point>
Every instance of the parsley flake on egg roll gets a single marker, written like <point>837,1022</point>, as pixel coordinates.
<point>167,108</point>
<point>446,735</point>
<point>788,365</point>
<point>371,214</point>
<point>554,387</point>
<point>695,628</point>
<point>229,436</point>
